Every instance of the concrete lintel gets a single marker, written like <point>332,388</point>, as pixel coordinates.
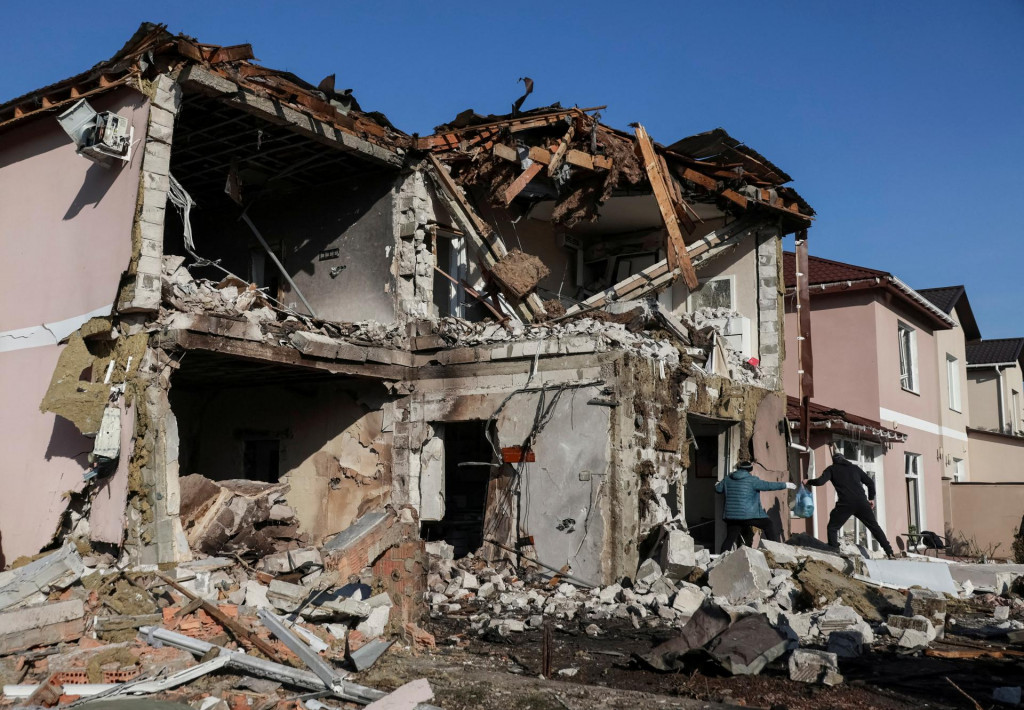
<point>263,352</point>
<point>199,79</point>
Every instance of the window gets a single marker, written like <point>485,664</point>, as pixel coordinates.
<point>1015,424</point>
<point>714,293</point>
<point>908,358</point>
<point>953,380</point>
<point>912,466</point>
<point>959,472</point>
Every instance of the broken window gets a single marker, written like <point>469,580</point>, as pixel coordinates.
<point>714,293</point>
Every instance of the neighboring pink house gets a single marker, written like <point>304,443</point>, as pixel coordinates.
<point>876,368</point>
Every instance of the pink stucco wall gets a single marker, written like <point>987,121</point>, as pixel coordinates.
<point>65,239</point>
<point>856,369</point>
<point>845,352</point>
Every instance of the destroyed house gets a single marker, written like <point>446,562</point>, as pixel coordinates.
<point>274,321</point>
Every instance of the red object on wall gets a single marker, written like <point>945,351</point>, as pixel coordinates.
<point>514,454</point>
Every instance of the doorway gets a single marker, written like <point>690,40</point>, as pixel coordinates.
<point>712,455</point>
<point>468,463</point>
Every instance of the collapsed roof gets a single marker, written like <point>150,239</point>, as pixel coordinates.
<point>153,49</point>
<point>587,162</point>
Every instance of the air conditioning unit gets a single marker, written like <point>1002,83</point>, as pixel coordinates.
<point>569,241</point>
<point>104,138</point>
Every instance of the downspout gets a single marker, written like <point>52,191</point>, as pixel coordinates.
<point>999,391</point>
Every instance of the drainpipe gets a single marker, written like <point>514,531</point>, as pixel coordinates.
<point>999,390</point>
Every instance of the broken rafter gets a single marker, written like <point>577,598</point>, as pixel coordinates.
<point>560,151</point>
<point>490,245</point>
<point>522,181</point>
<point>677,256</point>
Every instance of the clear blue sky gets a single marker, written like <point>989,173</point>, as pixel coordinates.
<point>902,123</point>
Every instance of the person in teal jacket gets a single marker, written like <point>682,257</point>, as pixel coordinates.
<point>743,506</point>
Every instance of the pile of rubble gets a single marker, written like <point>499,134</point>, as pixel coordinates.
<point>800,606</point>
<point>607,335</point>
<point>184,296</point>
<point>287,621</point>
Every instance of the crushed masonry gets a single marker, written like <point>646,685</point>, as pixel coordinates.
<point>362,397</point>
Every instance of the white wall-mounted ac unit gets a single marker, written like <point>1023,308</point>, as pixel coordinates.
<point>105,138</point>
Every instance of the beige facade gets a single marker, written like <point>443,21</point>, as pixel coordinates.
<point>954,401</point>
<point>997,391</point>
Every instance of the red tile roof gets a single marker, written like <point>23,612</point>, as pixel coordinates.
<point>826,271</point>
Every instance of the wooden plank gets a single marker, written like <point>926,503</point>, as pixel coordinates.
<point>735,197</point>
<point>243,634</point>
<point>541,155</point>
<point>234,53</point>
<point>563,147</point>
<point>505,151</point>
<point>704,181</point>
<point>522,181</point>
<point>602,162</point>
<point>682,209</point>
<point>805,357</point>
<point>580,159</point>
<point>677,256</point>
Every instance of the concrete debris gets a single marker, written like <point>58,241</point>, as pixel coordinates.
<point>912,573</point>
<point>812,666</point>
<point>741,576</point>
<point>57,570</point>
<point>678,557</point>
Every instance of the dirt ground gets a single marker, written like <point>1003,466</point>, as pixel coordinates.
<point>503,673</point>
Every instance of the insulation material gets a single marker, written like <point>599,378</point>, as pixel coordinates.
<point>107,518</point>
<point>519,273</point>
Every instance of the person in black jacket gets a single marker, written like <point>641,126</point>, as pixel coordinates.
<point>849,480</point>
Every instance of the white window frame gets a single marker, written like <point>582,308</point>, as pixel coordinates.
<point>912,472</point>
<point>873,467</point>
<point>907,342</point>
<point>959,470</point>
<point>953,382</point>
<point>731,278</point>
<point>1015,407</point>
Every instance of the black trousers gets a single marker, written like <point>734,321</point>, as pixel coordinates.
<point>733,528</point>
<point>861,510</point>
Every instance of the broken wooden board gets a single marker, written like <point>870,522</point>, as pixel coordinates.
<point>522,181</point>
<point>678,258</point>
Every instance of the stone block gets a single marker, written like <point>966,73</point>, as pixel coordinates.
<point>649,572</point>
<point>811,666</point>
<point>741,576</point>
<point>688,599</point>
<point>677,554</point>
<point>609,594</point>
<point>375,624</point>
<point>846,644</point>
<point>913,640</point>
<point>781,552</point>
<point>290,560</point>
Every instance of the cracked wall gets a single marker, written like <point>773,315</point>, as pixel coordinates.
<point>333,451</point>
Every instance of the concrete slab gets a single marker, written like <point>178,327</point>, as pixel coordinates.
<point>986,577</point>
<point>910,573</point>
